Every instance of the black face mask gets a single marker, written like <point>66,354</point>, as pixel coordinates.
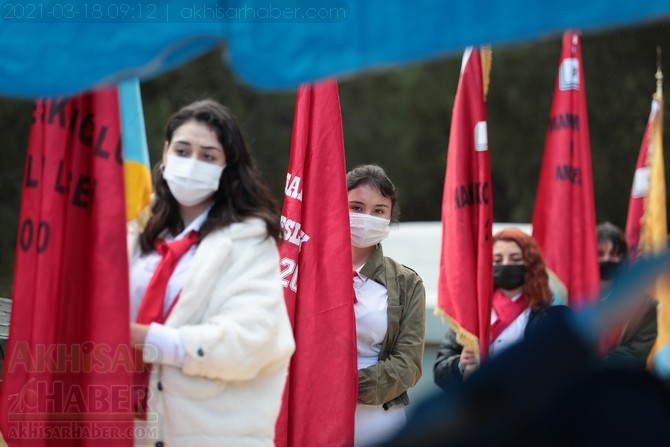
<point>508,277</point>
<point>609,270</point>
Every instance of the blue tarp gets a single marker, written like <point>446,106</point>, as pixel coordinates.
<point>53,47</point>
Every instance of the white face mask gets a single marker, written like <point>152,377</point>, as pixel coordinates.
<point>367,230</point>
<point>191,181</point>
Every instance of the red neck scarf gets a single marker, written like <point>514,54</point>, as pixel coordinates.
<point>151,310</point>
<point>506,311</point>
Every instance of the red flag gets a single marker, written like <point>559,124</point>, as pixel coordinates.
<point>322,388</point>
<point>564,214</point>
<point>640,188</point>
<point>465,276</point>
<point>67,372</point>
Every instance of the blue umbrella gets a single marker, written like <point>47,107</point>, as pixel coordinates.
<point>54,47</point>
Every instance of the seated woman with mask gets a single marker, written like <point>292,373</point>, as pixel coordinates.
<point>521,300</point>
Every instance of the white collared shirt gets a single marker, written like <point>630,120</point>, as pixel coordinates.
<point>169,347</point>
<point>371,319</point>
<point>512,333</point>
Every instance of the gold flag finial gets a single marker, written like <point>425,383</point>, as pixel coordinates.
<point>659,75</point>
<point>486,56</point>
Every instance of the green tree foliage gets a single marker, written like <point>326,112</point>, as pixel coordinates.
<point>400,119</point>
<point>15,117</point>
<point>266,118</point>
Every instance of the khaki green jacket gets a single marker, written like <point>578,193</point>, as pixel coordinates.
<point>399,366</point>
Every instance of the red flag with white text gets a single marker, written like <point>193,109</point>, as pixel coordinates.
<point>465,282</point>
<point>564,219</point>
<point>322,387</point>
<point>67,374</point>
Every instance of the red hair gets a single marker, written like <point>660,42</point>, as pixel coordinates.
<point>536,290</point>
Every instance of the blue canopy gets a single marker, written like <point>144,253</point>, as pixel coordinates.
<point>56,47</point>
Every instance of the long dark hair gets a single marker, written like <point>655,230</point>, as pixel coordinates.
<point>607,231</point>
<point>241,191</point>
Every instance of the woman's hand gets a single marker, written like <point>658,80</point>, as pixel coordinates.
<point>467,360</point>
<point>138,333</point>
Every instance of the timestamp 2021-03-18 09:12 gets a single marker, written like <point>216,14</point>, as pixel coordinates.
<point>83,11</point>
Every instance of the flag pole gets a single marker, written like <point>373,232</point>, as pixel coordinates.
<point>659,75</point>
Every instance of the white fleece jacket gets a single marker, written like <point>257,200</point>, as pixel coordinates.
<point>233,321</point>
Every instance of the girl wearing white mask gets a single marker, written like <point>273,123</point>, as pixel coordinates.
<point>211,313</point>
<point>390,310</point>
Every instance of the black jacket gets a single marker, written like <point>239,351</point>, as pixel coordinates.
<point>445,369</point>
